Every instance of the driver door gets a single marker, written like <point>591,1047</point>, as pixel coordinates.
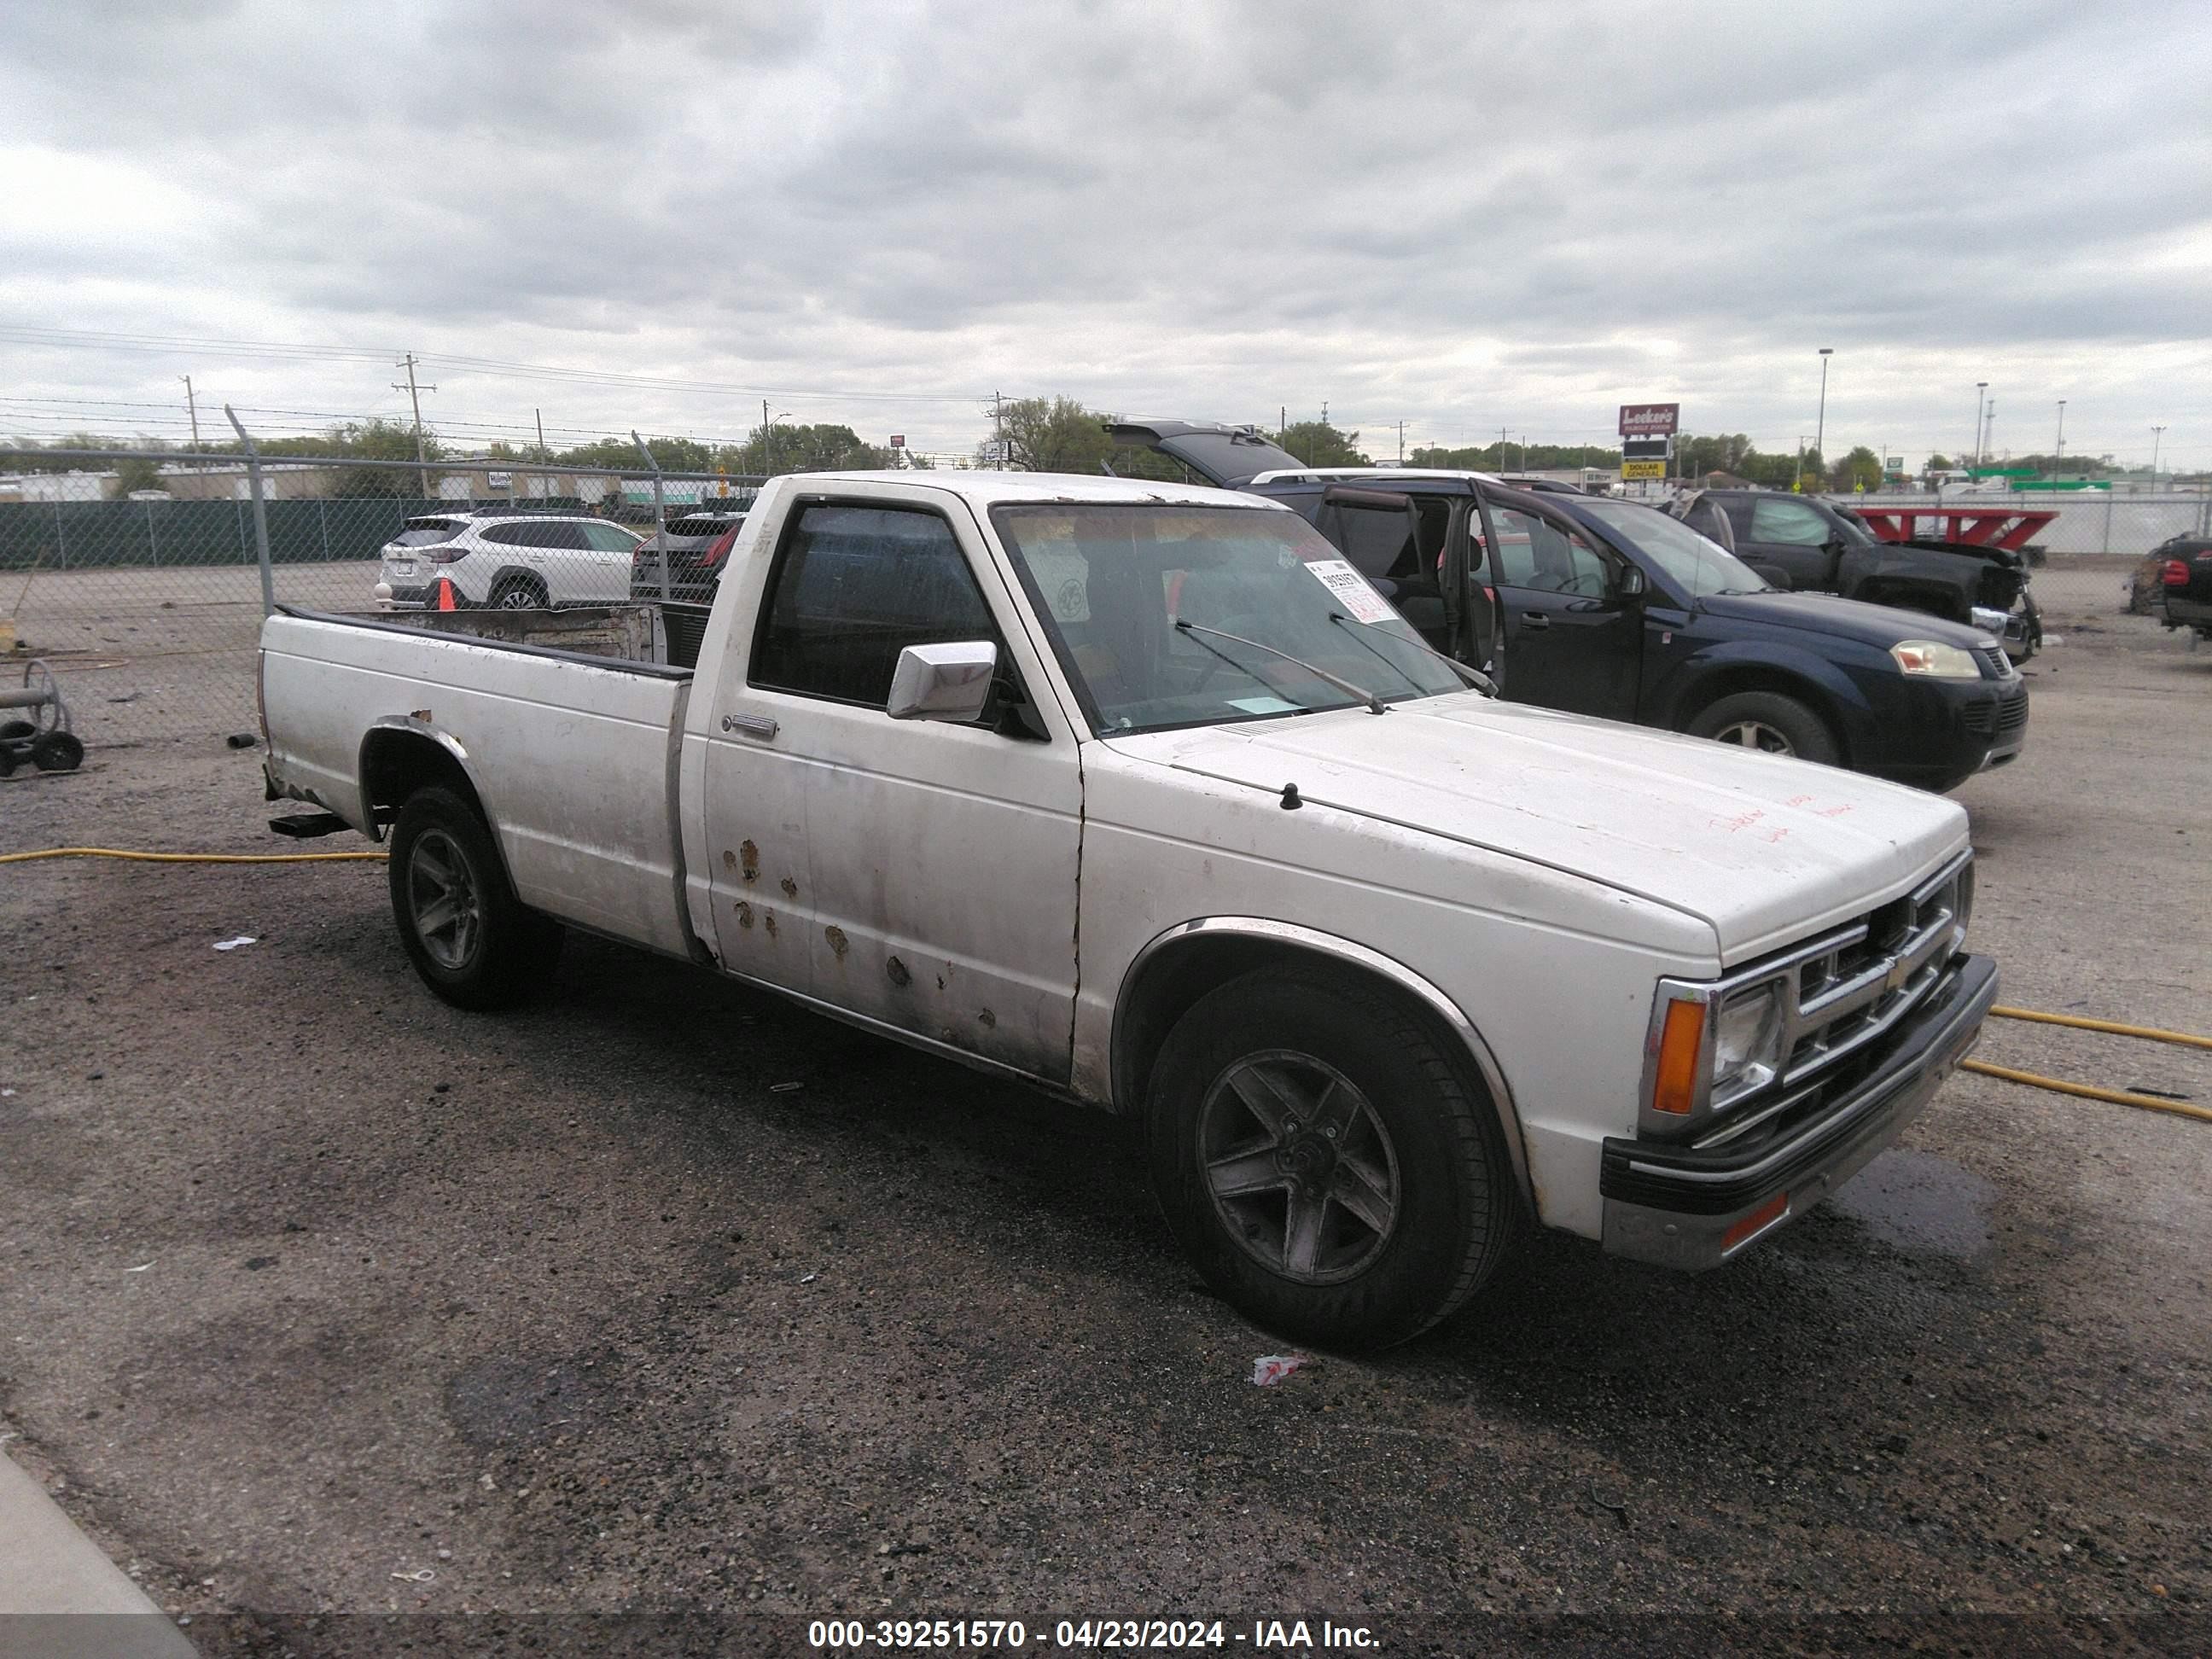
<point>1789,543</point>
<point>918,874</point>
<point>1572,640</point>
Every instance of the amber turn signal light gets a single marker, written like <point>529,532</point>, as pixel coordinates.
<point>1682,1039</point>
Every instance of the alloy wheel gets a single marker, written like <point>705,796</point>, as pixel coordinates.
<point>1755,734</point>
<point>1300,1168</point>
<point>443,900</point>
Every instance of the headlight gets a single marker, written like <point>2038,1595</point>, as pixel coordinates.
<point>1705,1053</point>
<point>1746,1035</point>
<point>1936,660</point>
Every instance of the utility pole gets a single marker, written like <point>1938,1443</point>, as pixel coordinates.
<point>1820,425</point>
<point>2156,434</point>
<point>193,409</point>
<point>1282,420</point>
<point>998,422</point>
<point>1980,387</point>
<point>2058,444</point>
<point>1401,443</point>
<point>1502,467</point>
<point>540,415</point>
<point>767,442</point>
<point>414,399</point>
<point>1989,431</point>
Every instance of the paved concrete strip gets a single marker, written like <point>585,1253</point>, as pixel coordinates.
<point>48,1567</point>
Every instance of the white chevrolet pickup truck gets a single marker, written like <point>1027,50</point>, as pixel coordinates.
<point>1140,793</point>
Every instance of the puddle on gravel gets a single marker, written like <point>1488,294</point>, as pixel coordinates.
<point>1917,1201</point>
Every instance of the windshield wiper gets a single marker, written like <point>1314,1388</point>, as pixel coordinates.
<point>1474,676</point>
<point>1375,704</point>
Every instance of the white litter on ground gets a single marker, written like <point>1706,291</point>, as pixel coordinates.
<point>1270,1369</point>
<point>233,943</point>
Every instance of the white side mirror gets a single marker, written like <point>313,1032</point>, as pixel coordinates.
<point>942,682</point>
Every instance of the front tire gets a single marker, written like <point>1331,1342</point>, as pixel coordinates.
<point>1772,723</point>
<point>1329,1169</point>
<point>472,941</point>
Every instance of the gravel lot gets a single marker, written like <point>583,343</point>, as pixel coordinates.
<point>308,1282</point>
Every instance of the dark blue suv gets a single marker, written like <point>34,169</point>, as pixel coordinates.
<point>1603,606</point>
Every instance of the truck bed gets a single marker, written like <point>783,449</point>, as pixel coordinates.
<point>572,751</point>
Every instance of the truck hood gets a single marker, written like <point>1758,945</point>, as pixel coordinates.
<point>1764,850</point>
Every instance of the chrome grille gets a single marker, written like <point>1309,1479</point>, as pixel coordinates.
<point>1856,983</point>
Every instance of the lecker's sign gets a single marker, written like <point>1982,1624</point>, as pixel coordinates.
<point>1649,420</point>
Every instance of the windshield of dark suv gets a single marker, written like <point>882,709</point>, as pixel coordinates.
<point>1701,567</point>
<point>1167,616</point>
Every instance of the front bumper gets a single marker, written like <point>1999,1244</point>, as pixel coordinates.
<point>1673,1205</point>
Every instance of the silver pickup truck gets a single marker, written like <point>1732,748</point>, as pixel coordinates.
<point>1141,794</point>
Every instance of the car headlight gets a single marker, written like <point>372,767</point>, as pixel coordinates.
<point>1936,660</point>
<point>1747,1039</point>
<point>1707,1053</point>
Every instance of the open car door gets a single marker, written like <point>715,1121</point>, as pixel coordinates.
<point>1388,538</point>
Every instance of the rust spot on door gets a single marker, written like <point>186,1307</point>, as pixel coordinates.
<point>767,921</point>
<point>838,941</point>
<point>744,913</point>
<point>749,854</point>
<point>987,1019</point>
<point>729,860</point>
<point>895,971</point>
<point>790,888</point>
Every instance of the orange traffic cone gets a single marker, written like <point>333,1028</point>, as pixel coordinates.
<point>446,600</point>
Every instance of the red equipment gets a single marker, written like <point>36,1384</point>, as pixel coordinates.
<point>2007,527</point>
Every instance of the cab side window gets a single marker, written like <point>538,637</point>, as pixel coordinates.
<point>1791,523</point>
<point>853,587</point>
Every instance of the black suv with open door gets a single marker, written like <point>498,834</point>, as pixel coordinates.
<point>1603,606</point>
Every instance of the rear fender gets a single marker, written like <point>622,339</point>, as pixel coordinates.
<point>399,753</point>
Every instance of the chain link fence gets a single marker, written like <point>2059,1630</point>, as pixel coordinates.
<point>147,611</point>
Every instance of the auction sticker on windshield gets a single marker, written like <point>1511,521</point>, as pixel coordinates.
<point>1351,587</point>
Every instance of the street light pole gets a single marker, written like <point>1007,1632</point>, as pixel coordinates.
<point>2156,434</point>
<point>1820,426</point>
<point>1980,388</point>
<point>2058,444</point>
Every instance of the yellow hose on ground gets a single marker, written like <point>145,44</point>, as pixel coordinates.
<point>2113,1026</point>
<point>2118,1097</point>
<point>2086,1091</point>
<point>186,858</point>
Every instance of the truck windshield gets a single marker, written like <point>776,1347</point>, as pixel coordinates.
<point>1700,566</point>
<point>1112,579</point>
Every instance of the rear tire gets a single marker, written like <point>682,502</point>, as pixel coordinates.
<point>472,941</point>
<point>519,593</point>
<point>1770,722</point>
<point>1330,1171</point>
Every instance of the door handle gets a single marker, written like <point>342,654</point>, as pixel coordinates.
<point>1536,619</point>
<point>753,725</point>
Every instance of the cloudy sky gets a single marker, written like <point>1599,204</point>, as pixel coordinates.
<point>659,213</point>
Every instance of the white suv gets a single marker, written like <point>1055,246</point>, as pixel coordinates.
<point>511,561</point>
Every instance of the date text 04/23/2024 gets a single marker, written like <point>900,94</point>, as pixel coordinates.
<point>1291,1636</point>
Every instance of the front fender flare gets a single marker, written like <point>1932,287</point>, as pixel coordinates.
<point>1689,685</point>
<point>1313,942</point>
